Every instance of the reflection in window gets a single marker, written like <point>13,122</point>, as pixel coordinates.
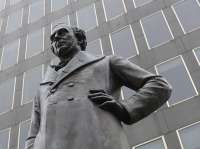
<point>34,43</point>
<point>123,43</point>
<point>14,21</point>
<point>127,92</point>
<point>4,138</point>
<point>64,19</point>
<point>113,8</point>
<point>156,144</point>
<point>188,12</point>
<point>176,73</point>
<point>23,133</point>
<point>139,3</point>
<point>197,54</point>
<point>94,47</point>
<point>33,77</point>
<point>156,29</point>
<point>6,94</point>
<point>12,2</point>
<point>56,5</point>
<point>189,136</point>
<point>86,17</point>
<point>9,54</point>
<point>36,11</point>
<point>2,4</point>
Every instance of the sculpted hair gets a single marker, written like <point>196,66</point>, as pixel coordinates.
<point>81,37</point>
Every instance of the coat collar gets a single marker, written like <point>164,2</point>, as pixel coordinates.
<point>81,59</point>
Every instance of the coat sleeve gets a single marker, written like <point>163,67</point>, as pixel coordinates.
<point>152,90</point>
<point>35,123</point>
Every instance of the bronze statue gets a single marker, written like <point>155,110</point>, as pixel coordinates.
<point>78,104</point>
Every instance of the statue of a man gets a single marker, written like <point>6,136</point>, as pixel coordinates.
<point>78,104</point>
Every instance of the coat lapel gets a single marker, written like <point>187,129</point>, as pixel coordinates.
<point>80,60</point>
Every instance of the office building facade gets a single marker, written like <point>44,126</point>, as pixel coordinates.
<point>162,36</point>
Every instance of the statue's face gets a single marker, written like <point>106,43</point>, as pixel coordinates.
<point>63,42</point>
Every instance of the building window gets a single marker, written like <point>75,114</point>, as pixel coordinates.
<point>12,2</point>
<point>197,54</point>
<point>14,21</point>
<point>139,3</point>
<point>175,71</point>
<point>1,21</point>
<point>2,4</point>
<point>34,43</point>
<point>6,94</point>
<point>86,17</point>
<point>33,77</point>
<point>56,5</point>
<point>155,144</point>
<point>123,42</point>
<point>127,92</point>
<point>95,47</point>
<point>113,8</point>
<point>188,12</point>
<point>64,20</point>
<point>23,133</point>
<point>156,29</point>
<point>4,138</point>
<point>36,11</point>
<point>189,136</point>
<point>9,54</point>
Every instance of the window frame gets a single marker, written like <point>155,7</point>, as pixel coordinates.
<point>187,72</point>
<point>168,27</point>
<point>177,17</point>
<point>27,38</point>
<point>95,13</point>
<point>152,140</point>
<point>133,37</point>
<point>185,127</point>
<point>112,18</point>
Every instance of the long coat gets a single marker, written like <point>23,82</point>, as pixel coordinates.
<point>64,118</point>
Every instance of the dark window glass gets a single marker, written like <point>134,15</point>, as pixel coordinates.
<point>34,43</point>
<point>123,43</point>
<point>190,137</point>
<point>139,3</point>
<point>36,11</point>
<point>23,133</point>
<point>6,94</point>
<point>9,55</point>
<point>56,5</point>
<point>31,83</point>
<point>2,4</point>
<point>176,73</point>
<point>156,29</point>
<point>14,21</point>
<point>4,137</point>
<point>156,144</point>
<point>113,8</point>
<point>188,12</point>
<point>86,17</point>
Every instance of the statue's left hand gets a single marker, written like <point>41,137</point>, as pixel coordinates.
<point>108,103</point>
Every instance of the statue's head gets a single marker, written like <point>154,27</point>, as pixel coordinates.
<point>66,39</point>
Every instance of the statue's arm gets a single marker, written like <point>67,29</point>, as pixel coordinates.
<point>35,123</point>
<point>152,90</point>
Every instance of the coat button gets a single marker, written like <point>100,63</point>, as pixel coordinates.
<point>71,84</point>
<point>70,98</point>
